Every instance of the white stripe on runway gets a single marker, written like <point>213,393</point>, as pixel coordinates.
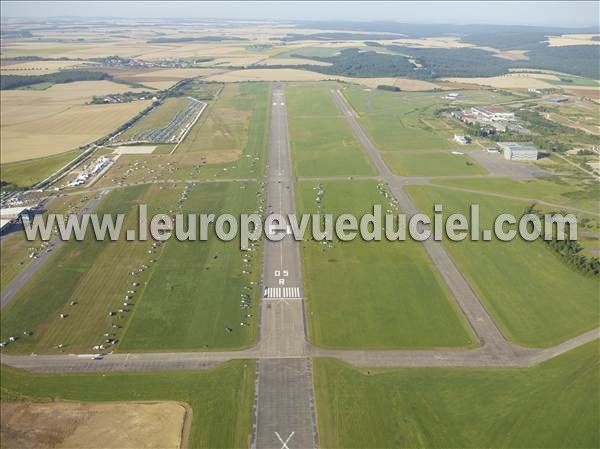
<point>282,293</point>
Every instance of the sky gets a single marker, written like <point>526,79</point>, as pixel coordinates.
<point>554,13</point>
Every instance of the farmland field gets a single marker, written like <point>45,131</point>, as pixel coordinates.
<point>42,67</point>
<point>96,275</point>
<point>221,398</point>
<point>23,174</point>
<point>395,300</point>
<point>43,123</point>
<point>526,287</point>
<point>321,140</point>
<point>455,407</point>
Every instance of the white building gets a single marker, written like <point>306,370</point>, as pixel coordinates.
<point>514,151</point>
<point>463,140</point>
<point>492,113</point>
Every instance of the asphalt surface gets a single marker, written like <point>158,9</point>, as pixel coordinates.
<point>284,416</point>
<point>285,412</point>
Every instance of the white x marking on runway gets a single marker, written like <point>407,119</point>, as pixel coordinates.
<point>285,446</point>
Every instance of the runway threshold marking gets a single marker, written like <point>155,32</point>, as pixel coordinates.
<point>281,293</point>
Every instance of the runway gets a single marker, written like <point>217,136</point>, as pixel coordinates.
<point>284,415</point>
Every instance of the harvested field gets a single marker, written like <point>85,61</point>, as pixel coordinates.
<point>513,55</point>
<point>510,81</point>
<point>291,61</point>
<point>165,78</point>
<point>572,39</point>
<point>294,75</point>
<point>42,123</point>
<point>92,425</point>
<point>268,75</point>
<point>77,126</point>
<point>42,67</point>
<point>434,42</point>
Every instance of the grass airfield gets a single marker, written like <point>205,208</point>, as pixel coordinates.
<point>359,295</point>
<point>221,398</point>
<point>413,139</point>
<point>395,300</point>
<point>96,275</point>
<point>321,140</point>
<point>550,405</point>
<point>529,291</point>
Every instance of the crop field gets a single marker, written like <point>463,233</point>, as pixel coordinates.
<point>455,407</point>
<point>96,276</point>
<point>321,140</point>
<point>561,190</point>
<point>221,398</point>
<point>165,123</point>
<point>193,294</point>
<point>300,75</point>
<point>395,300</point>
<point>28,173</point>
<point>524,285</point>
<point>510,81</point>
<point>43,123</point>
<point>42,67</point>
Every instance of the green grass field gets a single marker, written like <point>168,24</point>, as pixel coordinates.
<point>96,275</point>
<point>25,174</point>
<point>321,140</point>
<point>194,291</point>
<point>221,398</point>
<point>225,124</point>
<point>535,298</point>
<point>16,249</point>
<point>413,139</point>
<point>373,294</point>
<point>552,405</point>
<point>428,163</point>
<point>561,190</point>
<point>93,273</point>
<point>394,121</point>
<point>237,121</point>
